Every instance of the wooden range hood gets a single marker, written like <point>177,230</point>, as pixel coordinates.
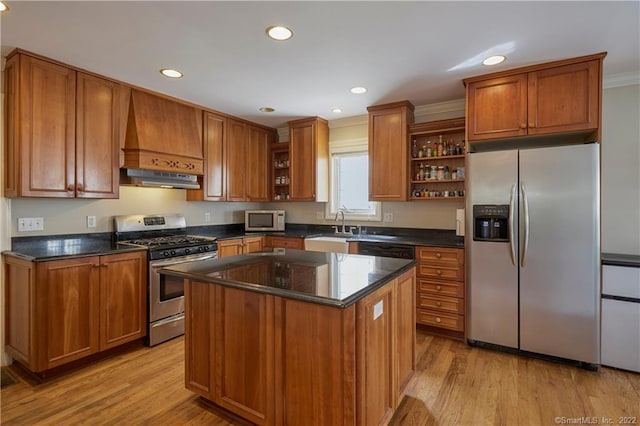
<point>163,135</point>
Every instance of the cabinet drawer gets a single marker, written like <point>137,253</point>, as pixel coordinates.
<point>437,319</point>
<point>441,273</point>
<point>453,289</point>
<point>440,256</point>
<point>440,303</point>
<point>283,242</point>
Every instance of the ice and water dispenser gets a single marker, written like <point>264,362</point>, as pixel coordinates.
<point>490,223</point>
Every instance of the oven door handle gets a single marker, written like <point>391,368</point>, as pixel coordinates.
<point>174,261</point>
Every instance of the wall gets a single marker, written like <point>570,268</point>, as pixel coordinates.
<point>621,170</point>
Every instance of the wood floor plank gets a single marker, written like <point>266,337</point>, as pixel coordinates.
<point>457,385</point>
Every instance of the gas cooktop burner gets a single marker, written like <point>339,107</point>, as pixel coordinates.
<point>171,241</point>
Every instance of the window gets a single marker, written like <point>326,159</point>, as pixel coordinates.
<point>350,183</point>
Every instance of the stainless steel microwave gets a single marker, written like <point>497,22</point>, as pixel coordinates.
<point>264,220</point>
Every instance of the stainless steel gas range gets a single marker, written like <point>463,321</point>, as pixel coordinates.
<point>168,243</point>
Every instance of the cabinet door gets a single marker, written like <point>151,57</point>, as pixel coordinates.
<point>564,99</point>
<point>497,108</point>
<point>213,186</point>
<point>257,185</point>
<point>244,353</point>
<point>47,96</point>
<point>199,338</point>
<point>67,310</point>
<point>97,137</point>
<point>375,354</point>
<point>302,163</point>
<point>123,298</point>
<point>253,244</point>
<point>236,161</point>
<point>405,336</point>
<point>388,174</point>
<point>228,248</point>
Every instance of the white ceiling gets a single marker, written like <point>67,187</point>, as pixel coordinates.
<point>418,51</point>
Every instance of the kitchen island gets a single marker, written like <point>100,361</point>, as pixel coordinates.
<point>293,337</point>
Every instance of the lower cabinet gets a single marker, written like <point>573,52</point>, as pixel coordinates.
<point>440,302</point>
<point>63,310</point>
<point>322,364</point>
<point>242,245</point>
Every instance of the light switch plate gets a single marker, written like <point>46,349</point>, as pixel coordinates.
<point>207,217</point>
<point>91,221</point>
<point>27,224</point>
<point>320,214</point>
<point>378,309</point>
<point>388,217</point>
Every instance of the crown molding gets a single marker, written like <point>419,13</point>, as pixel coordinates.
<point>357,120</point>
<point>622,79</point>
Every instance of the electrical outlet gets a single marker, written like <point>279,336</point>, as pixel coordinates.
<point>28,224</point>
<point>388,217</point>
<point>320,214</point>
<point>91,221</point>
<point>207,217</point>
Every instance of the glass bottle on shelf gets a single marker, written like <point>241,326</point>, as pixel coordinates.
<point>440,146</point>
<point>429,151</point>
<point>414,149</point>
<point>447,173</point>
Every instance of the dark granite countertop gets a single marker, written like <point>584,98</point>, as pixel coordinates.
<point>332,279</point>
<point>58,247</point>
<point>408,236</point>
<point>621,259</point>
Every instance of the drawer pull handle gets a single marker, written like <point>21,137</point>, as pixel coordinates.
<point>438,304</point>
<point>438,255</point>
<point>438,271</point>
<point>95,265</point>
<point>438,319</point>
<point>438,287</point>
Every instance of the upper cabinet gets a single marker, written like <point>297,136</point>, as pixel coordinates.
<point>62,131</point>
<point>562,97</point>
<point>236,161</point>
<point>163,135</point>
<point>309,159</point>
<point>388,153</point>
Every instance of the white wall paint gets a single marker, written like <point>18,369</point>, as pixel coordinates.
<point>621,170</point>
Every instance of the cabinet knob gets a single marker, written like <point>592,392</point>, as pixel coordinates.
<point>438,319</point>
<point>523,126</point>
<point>80,188</point>
<point>438,304</point>
<point>438,255</point>
<point>70,188</point>
<point>438,271</point>
<point>438,287</point>
<point>95,265</point>
<point>532,125</point>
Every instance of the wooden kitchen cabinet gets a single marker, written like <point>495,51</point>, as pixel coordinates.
<point>64,310</point>
<point>440,296</point>
<point>335,366</point>
<point>309,159</point>
<point>236,161</point>
<point>62,131</point>
<point>235,246</point>
<point>561,97</point>
<point>388,152</point>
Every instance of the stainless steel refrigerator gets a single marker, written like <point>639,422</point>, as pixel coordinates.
<point>533,250</point>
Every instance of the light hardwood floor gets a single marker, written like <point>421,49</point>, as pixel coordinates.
<point>457,385</point>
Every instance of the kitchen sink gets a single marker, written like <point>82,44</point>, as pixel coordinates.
<point>327,244</point>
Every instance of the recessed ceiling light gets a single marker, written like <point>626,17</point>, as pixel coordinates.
<point>167,72</point>
<point>358,90</point>
<point>3,6</point>
<point>267,109</point>
<point>337,110</point>
<point>280,33</point>
<point>494,60</point>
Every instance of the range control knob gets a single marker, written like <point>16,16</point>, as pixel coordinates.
<point>206,248</point>
<point>201,249</point>
<point>166,254</point>
<point>187,251</point>
<point>173,252</point>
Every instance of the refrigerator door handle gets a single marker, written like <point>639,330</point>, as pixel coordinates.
<point>512,242</point>
<point>525,207</point>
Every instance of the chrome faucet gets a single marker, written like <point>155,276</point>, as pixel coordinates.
<point>344,230</point>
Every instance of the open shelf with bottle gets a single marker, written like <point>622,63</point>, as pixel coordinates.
<point>437,151</point>
<point>280,176</point>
